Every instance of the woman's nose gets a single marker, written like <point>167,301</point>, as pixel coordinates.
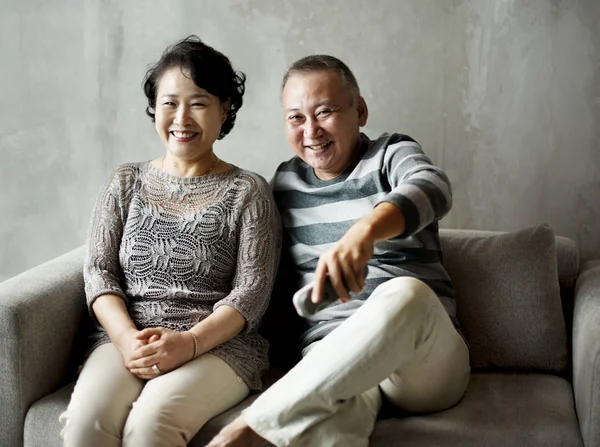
<point>182,116</point>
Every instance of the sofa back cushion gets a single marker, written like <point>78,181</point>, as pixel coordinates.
<point>508,298</point>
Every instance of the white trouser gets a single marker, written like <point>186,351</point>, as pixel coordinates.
<point>401,342</point>
<point>112,407</point>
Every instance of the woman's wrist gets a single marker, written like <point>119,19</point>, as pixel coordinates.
<point>122,335</point>
<point>195,340</point>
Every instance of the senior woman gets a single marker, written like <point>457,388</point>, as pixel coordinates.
<point>181,257</point>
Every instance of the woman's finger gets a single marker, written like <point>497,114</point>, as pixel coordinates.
<point>142,342</point>
<point>144,351</point>
<point>149,332</point>
<point>143,374</point>
<point>145,362</point>
<point>148,371</point>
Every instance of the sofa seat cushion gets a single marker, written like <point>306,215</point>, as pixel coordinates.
<point>508,299</point>
<point>42,428</point>
<point>41,422</point>
<point>497,410</point>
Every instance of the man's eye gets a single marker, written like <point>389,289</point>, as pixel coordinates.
<point>198,104</point>
<point>295,118</point>
<point>324,112</point>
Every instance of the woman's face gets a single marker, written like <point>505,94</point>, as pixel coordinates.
<point>188,119</point>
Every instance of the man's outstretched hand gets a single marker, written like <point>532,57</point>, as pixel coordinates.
<point>345,263</point>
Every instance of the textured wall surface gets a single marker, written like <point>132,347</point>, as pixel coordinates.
<point>505,95</point>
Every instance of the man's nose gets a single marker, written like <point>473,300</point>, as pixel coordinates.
<point>312,129</point>
<point>182,115</point>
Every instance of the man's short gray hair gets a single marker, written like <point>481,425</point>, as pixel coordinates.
<point>321,62</point>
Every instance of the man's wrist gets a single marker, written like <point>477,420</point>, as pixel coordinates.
<point>365,227</point>
<point>385,222</point>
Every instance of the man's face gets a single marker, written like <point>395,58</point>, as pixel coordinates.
<point>322,121</point>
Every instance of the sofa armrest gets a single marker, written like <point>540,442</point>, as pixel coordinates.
<point>40,314</point>
<point>586,352</point>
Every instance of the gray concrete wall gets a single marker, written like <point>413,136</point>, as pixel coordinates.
<point>504,94</point>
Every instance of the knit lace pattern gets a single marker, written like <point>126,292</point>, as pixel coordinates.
<point>175,249</point>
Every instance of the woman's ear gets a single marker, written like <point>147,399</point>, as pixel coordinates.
<point>225,107</point>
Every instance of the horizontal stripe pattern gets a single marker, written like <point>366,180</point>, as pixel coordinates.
<point>336,211</point>
<point>303,197</point>
<point>316,214</point>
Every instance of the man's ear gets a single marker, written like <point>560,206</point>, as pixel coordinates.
<point>363,111</point>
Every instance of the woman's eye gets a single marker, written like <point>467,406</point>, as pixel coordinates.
<point>198,104</point>
<point>168,104</point>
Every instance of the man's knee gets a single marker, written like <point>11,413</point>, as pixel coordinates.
<point>404,296</point>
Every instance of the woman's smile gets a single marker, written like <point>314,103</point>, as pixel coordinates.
<point>183,136</point>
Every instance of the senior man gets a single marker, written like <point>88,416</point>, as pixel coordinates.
<point>348,202</point>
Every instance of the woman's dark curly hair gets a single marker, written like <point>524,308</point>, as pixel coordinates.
<point>207,67</point>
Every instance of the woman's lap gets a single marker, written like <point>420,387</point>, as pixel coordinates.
<point>109,403</point>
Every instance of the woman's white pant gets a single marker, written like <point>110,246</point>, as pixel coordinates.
<point>112,407</point>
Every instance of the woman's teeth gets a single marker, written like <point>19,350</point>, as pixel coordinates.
<point>183,134</point>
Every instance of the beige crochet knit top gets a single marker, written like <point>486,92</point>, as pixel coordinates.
<point>177,248</point>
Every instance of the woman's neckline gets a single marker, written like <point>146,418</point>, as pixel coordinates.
<point>186,180</point>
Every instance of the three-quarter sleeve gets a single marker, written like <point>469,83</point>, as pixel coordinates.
<point>419,189</point>
<point>101,269</point>
<point>259,247</point>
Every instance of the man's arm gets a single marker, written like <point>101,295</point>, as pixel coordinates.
<point>420,194</point>
<point>421,190</point>
<point>346,260</point>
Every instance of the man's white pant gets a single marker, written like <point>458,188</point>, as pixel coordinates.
<point>400,342</point>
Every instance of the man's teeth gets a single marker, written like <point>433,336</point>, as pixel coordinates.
<point>183,134</point>
<point>318,146</point>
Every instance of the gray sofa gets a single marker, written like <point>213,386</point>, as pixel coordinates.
<point>530,314</point>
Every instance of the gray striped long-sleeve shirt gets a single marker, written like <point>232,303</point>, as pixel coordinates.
<point>317,213</point>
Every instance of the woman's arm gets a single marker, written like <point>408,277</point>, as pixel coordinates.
<point>111,313</point>
<point>102,270</point>
<point>222,325</point>
<point>259,248</point>
<point>170,349</point>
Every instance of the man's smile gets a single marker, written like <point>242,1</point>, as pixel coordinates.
<point>318,147</point>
